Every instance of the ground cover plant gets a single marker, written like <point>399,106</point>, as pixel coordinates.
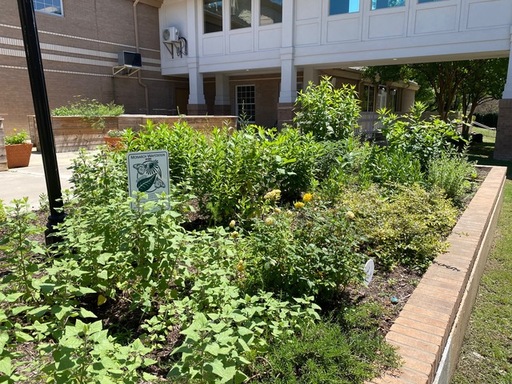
<point>250,270</point>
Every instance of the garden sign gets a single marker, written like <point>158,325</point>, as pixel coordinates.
<point>148,172</point>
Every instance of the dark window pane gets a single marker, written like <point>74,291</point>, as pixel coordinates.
<point>271,12</point>
<point>212,16</point>
<point>241,14</point>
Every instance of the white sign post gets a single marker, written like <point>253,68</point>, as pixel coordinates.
<point>148,172</point>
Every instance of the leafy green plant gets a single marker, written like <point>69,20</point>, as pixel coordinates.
<point>452,174</point>
<point>17,137</point>
<point>424,138</point>
<point>328,352</point>
<point>407,227</point>
<point>20,248</point>
<point>388,166</point>
<point>327,112</point>
<point>307,251</point>
<point>91,110</point>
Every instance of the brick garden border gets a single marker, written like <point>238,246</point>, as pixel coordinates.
<point>429,330</point>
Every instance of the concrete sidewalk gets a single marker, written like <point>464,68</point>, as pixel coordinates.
<point>30,181</point>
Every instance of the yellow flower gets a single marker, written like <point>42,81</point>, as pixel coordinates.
<point>240,266</point>
<point>232,224</point>
<point>307,197</point>
<point>350,215</point>
<point>274,194</point>
<point>234,234</point>
<point>299,205</point>
<point>277,210</point>
<point>269,221</point>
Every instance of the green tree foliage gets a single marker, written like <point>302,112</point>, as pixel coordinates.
<point>454,84</point>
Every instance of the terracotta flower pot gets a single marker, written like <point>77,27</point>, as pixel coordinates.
<point>113,142</point>
<point>18,155</point>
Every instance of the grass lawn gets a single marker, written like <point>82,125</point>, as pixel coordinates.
<point>486,355</point>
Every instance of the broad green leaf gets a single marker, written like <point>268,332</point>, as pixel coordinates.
<point>213,349</point>
<point>87,314</point>
<point>6,366</point>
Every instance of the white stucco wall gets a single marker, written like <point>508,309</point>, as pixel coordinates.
<point>446,29</point>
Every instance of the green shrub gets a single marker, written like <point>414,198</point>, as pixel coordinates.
<point>424,139</point>
<point>184,144</point>
<point>406,228</point>
<point>388,166</point>
<point>452,174</point>
<point>328,353</point>
<point>308,251</point>
<point>327,112</point>
<point>90,108</point>
<point>2,211</point>
<point>239,168</point>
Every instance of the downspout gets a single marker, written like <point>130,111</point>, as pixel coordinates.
<point>139,75</point>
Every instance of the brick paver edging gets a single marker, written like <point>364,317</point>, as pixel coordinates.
<point>429,331</point>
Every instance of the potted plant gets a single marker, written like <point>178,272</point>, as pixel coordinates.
<point>113,138</point>
<point>18,149</point>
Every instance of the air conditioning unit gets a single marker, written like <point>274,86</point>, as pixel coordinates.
<point>171,34</point>
<point>130,59</point>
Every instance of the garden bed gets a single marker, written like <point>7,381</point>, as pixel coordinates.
<point>74,132</point>
<point>430,328</point>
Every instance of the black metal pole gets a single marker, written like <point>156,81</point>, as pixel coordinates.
<point>43,117</point>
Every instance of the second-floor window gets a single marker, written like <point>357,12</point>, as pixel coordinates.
<point>271,11</point>
<point>212,16</point>
<point>337,7</point>
<point>380,4</point>
<point>241,14</point>
<point>53,7</point>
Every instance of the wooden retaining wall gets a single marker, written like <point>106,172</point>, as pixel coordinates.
<point>74,132</point>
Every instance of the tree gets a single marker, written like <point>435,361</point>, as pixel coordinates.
<point>486,83</point>
<point>466,83</point>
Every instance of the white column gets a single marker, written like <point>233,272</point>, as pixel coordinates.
<point>310,75</point>
<point>195,79</point>
<point>288,91</point>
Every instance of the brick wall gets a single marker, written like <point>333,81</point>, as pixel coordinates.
<point>3,157</point>
<point>79,51</point>
<point>72,133</point>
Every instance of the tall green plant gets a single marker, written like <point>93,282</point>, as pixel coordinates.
<point>327,112</point>
<point>425,138</point>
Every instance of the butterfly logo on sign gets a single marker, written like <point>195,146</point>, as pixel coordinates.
<point>149,176</point>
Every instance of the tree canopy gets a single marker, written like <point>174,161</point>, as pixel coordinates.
<point>450,85</point>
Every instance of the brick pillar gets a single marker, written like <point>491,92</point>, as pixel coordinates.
<point>3,157</point>
<point>503,147</point>
<point>221,110</point>
<point>284,114</point>
<point>196,109</point>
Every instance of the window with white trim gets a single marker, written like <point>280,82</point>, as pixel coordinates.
<point>53,7</point>
<point>338,7</point>
<point>271,12</point>
<point>246,102</point>
<point>241,14</point>
<point>380,4</point>
<point>212,12</point>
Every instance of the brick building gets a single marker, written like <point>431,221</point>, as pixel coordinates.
<point>80,45</point>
